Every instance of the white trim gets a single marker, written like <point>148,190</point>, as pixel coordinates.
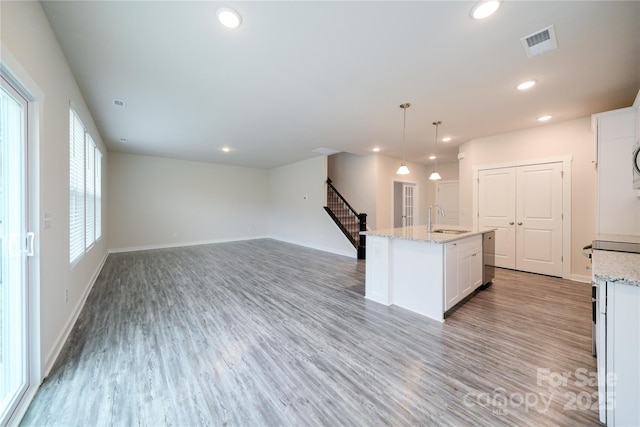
<point>66,331</point>
<point>416,199</point>
<point>208,242</point>
<point>566,199</point>
<point>22,81</point>
<point>353,254</point>
<point>181,244</point>
<point>580,278</point>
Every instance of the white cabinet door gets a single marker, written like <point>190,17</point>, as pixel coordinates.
<point>497,209</point>
<point>476,268</point>
<point>470,264</point>
<point>451,292</point>
<point>539,218</point>
<point>618,209</point>
<point>463,269</point>
<point>524,205</point>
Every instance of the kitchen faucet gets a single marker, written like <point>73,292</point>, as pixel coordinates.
<point>438,207</point>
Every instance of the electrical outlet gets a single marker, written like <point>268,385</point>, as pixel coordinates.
<point>66,295</point>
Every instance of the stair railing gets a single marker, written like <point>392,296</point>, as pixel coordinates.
<point>347,219</point>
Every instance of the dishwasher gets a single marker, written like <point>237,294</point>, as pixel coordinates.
<point>489,256</point>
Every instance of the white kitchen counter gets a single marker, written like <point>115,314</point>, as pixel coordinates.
<point>618,267</point>
<point>420,233</point>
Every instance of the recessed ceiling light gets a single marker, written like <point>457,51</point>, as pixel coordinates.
<point>446,139</point>
<point>526,85</point>
<point>376,149</point>
<point>544,118</point>
<point>484,9</point>
<point>226,149</point>
<point>432,157</point>
<point>229,17</point>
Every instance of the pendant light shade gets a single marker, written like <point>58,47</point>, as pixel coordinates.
<point>435,175</point>
<point>403,169</point>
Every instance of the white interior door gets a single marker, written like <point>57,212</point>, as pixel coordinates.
<point>15,243</point>
<point>497,209</point>
<point>539,218</point>
<point>447,196</point>
<point>408,202</point>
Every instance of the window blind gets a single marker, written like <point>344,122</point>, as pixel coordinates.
<point>85,189</point>
<point>76,186</point>
<point>90,193</point>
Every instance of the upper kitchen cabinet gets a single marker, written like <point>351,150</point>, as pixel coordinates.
<point>618,206</point>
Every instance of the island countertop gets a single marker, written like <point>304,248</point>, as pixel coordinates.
<point>420,233</point>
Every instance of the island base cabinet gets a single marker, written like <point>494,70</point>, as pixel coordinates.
<point>618,364</point>
<point>463,269</point>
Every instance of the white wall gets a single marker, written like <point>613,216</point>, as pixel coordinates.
<point>572,138</point>
<point>31,52</point>
<point>297,196</point>
<point>158,202</point>
<point>354,177</point>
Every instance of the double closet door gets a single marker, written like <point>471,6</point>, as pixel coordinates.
<point>524,205</point>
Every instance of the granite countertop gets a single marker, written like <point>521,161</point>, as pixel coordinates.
<point>618,267</point>
<point>419,233</point>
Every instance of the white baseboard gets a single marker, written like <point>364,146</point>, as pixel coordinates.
<point>350,254</point>
<point>182,244</point>
<point>64,335</point>
<point>580,278</point>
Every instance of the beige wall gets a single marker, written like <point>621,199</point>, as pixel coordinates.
<point>573,138</point>
<point>387,175</point>
<point>367,183</point>
<point>354,177</point>
<point>158,202</point>
<point>296,207</point>
<point>31,53</point>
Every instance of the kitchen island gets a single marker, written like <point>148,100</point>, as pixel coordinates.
<point>425,272</point>
<point>616,275</point>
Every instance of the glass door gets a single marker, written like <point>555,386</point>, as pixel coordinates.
<point>15,246</point>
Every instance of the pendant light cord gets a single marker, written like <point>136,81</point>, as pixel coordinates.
<point>435,146</point>
<point>404,125</point>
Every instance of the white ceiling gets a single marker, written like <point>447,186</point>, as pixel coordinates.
<point>299,75</point>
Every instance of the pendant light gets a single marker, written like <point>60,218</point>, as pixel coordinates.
<point>403,169</point>
<point>435,175</point>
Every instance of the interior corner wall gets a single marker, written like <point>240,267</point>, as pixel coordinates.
<point>159,202</point>
<point>572,138</point>
<point>297,196</point>
<point>31,53</point>
<point>448,172</point>
<point>354,177</point>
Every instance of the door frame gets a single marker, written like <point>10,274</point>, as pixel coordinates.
<point>416,199</point>
<point>566,200</point>
<point>16,75</point>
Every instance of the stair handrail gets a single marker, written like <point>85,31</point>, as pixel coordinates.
<point>358,241</point>
<point>341,198</point>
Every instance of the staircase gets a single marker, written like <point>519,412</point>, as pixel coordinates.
<point>347,219</point>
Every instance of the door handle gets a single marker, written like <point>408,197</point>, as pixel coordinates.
<point>511,223</point>
<point>519,223</point>
<point>31,236</point>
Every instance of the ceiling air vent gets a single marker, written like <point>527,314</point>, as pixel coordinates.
<point>540,42</point>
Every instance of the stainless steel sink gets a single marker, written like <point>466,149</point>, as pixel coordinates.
<point>446,231</point>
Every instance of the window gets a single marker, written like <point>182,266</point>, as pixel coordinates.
<point>85,189</point>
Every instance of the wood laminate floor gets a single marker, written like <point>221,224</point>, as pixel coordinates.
<point>264,333</point>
